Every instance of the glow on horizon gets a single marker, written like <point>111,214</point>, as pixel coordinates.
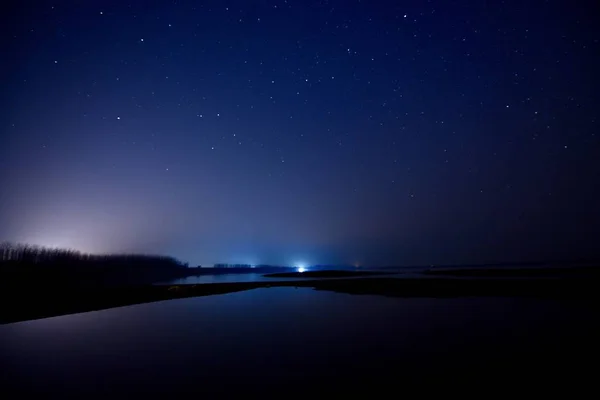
<point>301,267</point>
<point>64,241</point>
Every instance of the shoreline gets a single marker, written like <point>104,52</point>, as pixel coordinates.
<point>32,302</point>
<point>592,271</point>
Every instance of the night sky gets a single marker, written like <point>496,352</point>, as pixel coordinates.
<point>342,131</point>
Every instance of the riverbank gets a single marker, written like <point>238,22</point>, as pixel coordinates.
<point>23,303</point>
<point>580,272</point>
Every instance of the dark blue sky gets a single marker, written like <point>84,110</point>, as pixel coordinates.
<point>377,132</point>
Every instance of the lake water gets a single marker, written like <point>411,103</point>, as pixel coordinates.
<point>223,278</point>
<point>264,341</point>
<point>396,273</point>
<point>254,277</point>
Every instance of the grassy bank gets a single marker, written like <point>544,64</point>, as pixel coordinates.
<point>26,303</point>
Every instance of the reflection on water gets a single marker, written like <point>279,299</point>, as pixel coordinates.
<point>254,277</point>
<point>221,278</point>
<point>280,335</point>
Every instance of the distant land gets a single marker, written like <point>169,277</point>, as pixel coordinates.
<point>35,265</point>
<point>544,263</point>
<point>324,274</point>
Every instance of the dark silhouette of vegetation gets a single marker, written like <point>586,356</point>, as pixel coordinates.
<point>42,264</point>
<point>222,268</point>
<point>248,266</point>
<point>37,256</point>
<point>222,265</point>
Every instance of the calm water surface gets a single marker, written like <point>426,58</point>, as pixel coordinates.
<point>264,338</point>
<point>253,277</point>
<point>223,278</point>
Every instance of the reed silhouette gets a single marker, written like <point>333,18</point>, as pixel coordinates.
<point>23,263</point>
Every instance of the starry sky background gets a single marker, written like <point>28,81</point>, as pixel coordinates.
<point>372,132</point>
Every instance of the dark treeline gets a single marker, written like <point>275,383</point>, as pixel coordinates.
<point>331,266</point>
<point>223,265</point>
<point>36,264</point>
<point>37,256</point>
<point>244,266</point>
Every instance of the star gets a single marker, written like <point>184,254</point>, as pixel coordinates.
<point>386,112</point>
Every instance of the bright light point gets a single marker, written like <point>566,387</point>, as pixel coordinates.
<point>301,267</point>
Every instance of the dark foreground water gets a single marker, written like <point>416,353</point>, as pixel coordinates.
<point>280,342</point>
